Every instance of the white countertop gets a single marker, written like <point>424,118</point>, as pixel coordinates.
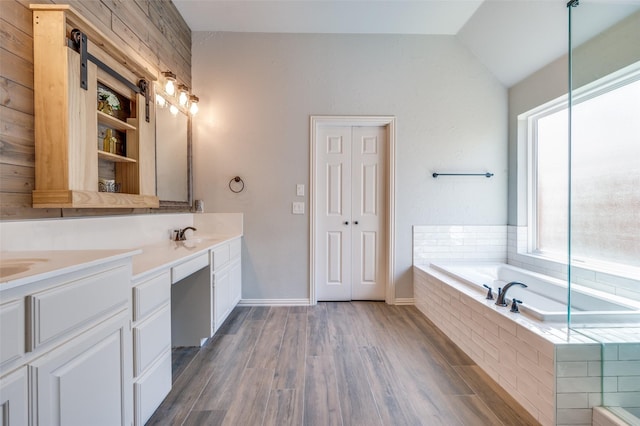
<point>169,253</point>
<point>22,267</point>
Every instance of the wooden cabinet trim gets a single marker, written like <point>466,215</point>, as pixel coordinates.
<point>67,169</point>
<point>74,19</point>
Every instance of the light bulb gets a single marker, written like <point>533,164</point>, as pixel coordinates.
<point>193,109</point>
<point>169,87</point>
<point>173,109</point>
<point>183,98</point>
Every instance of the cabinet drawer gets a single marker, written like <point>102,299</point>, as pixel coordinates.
<point>12,329</point>
<point>187,268</point>
<point>220,256</point>
<point>77,303</point>
<point>235,247</point>
<point>151,294</point>
<point>150,389</point>
<point>151,338</point>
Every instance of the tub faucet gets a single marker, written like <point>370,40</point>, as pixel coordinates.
<point>489,293</point>
<point>514,305</point>
<point>180,233</point>
<point>502,293</point>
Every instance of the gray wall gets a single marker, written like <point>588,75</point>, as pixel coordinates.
<point>609,51</point>
<point>257,92</point>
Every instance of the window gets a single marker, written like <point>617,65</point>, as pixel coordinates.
<point>605,174</point>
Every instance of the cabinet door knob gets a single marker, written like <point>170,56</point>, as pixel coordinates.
<point>346,222</point>
<point>355,223</point>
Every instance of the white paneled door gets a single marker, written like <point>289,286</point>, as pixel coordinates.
<point>350,212</point>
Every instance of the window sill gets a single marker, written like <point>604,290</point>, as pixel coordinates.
<point>559,265</point>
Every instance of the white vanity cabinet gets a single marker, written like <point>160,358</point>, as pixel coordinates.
<point>13,386</point>
<point>151,343</point>
<point>182,303</point>
<point>13,398</point>
<point>73,363</point>
<point>12,330</point>
<point>226,280</point>
<point>86,381</point>
<point>204,290</point>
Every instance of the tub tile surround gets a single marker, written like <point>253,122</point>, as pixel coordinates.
<point>554,372</point>
<point>588,373</point>
<point>619,366</point>
<point>518,358</point>
<point>481,243</point>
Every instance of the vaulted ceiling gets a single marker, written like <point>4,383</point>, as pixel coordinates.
<point>513,38</point>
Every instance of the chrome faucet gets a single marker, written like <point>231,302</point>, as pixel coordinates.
<point>502,293</point>
<point>180,233</point>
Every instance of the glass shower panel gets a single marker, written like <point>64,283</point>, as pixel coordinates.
<point>604,195</point>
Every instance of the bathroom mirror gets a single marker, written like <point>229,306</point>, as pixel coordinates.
<point>173,157</point>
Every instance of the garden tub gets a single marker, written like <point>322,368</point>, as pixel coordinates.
<point>545,297</point>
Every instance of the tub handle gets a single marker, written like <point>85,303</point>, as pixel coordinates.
<point>514,305</point>
<point>489,293</point>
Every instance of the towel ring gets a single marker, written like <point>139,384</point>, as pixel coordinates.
<point>236,179</point>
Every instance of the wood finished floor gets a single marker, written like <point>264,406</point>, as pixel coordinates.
<point>336,363</point>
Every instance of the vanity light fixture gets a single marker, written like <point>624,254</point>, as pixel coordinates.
<point>169,86</point>
<point>193,100</point>
<point>174,110</point>
<point>183,96</point>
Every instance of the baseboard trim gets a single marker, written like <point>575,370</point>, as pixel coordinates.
<point>405,301</point>
<point>274,302</point>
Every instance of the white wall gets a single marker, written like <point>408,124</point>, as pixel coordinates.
<point>257,92</point>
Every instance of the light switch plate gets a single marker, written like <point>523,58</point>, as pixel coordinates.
<point>297,207</point>
<point>300,190</point>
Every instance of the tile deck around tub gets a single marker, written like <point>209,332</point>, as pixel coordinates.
<point>612,334</point>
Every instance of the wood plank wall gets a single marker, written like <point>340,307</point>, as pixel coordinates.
<point>154,29</point>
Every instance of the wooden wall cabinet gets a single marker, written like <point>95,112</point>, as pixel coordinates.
<point>66,119</point>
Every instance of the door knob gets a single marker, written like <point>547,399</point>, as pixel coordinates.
<point>346,222</point>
